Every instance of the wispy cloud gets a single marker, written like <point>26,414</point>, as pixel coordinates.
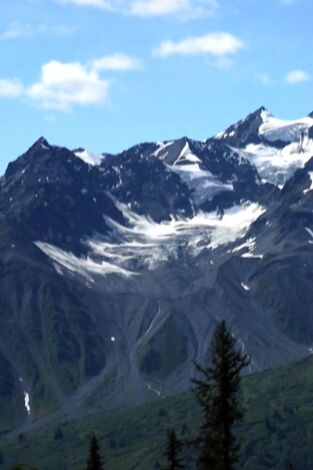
<point>11,88</point>
<point>219,45</point>
<point>297,76</point>
<point>117,62</point>
<point>18,31</point>
<point>104,4</point>
<point>64,85</point>
<point>15,31</point>
<point>151,8</point>
<point>288,2</point>
<point>193,8</point>
<point>264,78</point>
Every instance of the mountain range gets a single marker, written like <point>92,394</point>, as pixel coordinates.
<point>115,269</point>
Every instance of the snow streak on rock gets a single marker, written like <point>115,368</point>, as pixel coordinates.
<point>89,158</point>
<point>145,243</point>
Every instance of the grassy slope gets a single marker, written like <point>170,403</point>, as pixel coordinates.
<point>278,429</point>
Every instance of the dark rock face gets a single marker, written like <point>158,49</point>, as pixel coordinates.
<point>246,131</point>
<point>114,275</point>
<point>145,185</point>
<point>53,196</point>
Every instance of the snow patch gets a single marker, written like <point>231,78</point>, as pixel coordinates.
<point>83,266</point>
<point>26,399</point>
<point>89,158</point>
<point>251,255</point>
<point>220,135</point>
<point>250,244</point>
<point>311,186</point>
<point>152,389</point>
<point>153,322</point>
<point>310,232</point>
<point>278,165</point>
<point>162,146</point>
<point>27,403</point>
<point>145,243</point>
<point>186,156</point>
<point>274,129</point>
<point>202,183</point>
<point>245,287</point>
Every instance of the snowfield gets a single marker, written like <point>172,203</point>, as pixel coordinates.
<point>145,243</point>
<point>274,129</point>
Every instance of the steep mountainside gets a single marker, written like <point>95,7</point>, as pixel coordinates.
<point>277,430</point>
<point>116,268</point>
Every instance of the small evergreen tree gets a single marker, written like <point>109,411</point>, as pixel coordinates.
<point>172,452</point>
<point>112,443</point>
<point>217,394</point>
<point>94,461</point>
<point>21,437</point>
<point>58,433</point>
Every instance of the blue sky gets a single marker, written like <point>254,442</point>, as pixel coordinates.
<point>106,74</point>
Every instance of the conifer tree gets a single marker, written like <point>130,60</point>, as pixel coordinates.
<point>174,462</point>
<point>94,461</point>
<point>217,394</point>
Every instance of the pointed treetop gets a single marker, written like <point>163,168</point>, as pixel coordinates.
<point>94,461</point>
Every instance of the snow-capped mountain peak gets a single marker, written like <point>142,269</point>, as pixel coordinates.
<point>276,147</point>
<point>274,129</point>
<point>105,259</point>
<point>245,131</point>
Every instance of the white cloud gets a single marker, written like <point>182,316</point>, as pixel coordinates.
<point>186,8</point>
<point>59,30</point>
<point>104,4</point>
<point>218,45</point>
<point>117,62</point>
<point>17,31</point>
<point>10,88</point>
<point>63,85</point>
<point>297,76</point>
<point>151,8</point>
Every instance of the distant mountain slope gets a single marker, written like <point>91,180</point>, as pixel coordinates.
<point>277,429</point>
<point>116,268</point>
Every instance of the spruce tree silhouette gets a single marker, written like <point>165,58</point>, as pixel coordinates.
<point>94,461</point>
<point>174,462</point>
<point>217,394</point>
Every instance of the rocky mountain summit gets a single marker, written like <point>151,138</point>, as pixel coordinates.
<point>115,268</point>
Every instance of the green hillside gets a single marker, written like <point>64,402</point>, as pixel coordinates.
<point>278,429</point>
